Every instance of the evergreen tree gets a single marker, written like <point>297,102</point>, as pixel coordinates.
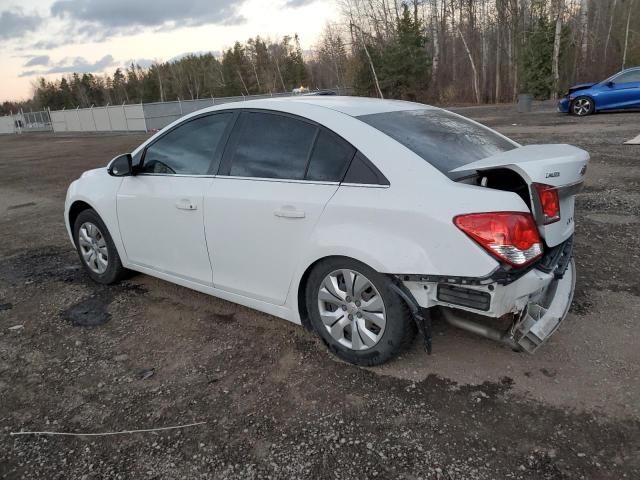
<point>536,60</point>
<point>405,63</point>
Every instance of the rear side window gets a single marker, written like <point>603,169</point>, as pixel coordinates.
<point>362,171</point>
<point>441,138</point>
<point>330,158</point>
<point>189,149</point>
<point>272,146</point>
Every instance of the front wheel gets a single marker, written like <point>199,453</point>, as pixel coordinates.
<point>582,106</point>
<point>96,249</point>
<point>357,313</point>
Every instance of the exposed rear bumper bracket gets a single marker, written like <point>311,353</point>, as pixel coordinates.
<point>540,322</point>
<point>536,324</point>
<point>422,317</point>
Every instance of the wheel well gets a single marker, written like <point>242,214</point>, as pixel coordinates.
<point>302,303</point>
<point>76,208</point>
<point>593,100</point>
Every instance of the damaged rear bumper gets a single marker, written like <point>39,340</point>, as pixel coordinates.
<point>536,301</point>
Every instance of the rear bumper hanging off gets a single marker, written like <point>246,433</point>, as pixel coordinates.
<point>536,323</point>
<point>538,300</point>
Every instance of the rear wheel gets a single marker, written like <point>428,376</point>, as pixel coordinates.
<point>357,313</point>
<point>582,106</point>
<point>96,249</point>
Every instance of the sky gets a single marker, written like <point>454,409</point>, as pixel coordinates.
<point>52,38</point>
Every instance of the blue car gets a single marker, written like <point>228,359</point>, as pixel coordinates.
<point>621,91</point>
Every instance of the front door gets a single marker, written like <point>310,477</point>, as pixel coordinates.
<point>160,210</point>
<point>278,174</point>
<point>162,228</point>
<point>623,92</point>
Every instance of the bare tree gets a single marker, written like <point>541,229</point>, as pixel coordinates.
<point>626,36</point>
<point>353,26</point>
<point>606,43</point>
<point>476,83</point>
<point>556,49</point>
<point>584,30</point>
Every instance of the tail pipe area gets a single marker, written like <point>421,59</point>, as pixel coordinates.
<point>479,329</point>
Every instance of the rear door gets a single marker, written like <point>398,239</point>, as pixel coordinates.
<point>277,175</point>
<point>160,210</point>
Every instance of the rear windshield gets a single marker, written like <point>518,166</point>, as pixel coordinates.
<point>443,139</point>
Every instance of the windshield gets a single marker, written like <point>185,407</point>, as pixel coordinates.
<point>445,140</point>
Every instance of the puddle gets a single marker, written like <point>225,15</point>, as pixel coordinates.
<point>224,317</point>
<point>90,312</point>
<point>58,263</point>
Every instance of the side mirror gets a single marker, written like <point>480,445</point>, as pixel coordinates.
<point>610,84</point>
<point>121,166</point>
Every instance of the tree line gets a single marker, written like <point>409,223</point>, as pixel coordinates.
<point>439,51</point>
<point>254,67</point>
<point>486,51</point>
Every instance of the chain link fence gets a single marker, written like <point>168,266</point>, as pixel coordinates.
<point>142,117</point>
<point>22,122</point>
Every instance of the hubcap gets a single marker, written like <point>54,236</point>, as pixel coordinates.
<point>93,248</point>
<point>581,107</point>
<point>352,309</point>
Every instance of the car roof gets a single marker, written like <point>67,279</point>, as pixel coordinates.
<point>352,106</point>
<point>626,70</point>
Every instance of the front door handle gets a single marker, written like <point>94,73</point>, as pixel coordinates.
<point>186,204</point>
<point>289,212</point>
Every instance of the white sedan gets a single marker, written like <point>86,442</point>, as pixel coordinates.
<point>354,217</point>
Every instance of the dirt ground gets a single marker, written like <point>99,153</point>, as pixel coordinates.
<point>274,402</point>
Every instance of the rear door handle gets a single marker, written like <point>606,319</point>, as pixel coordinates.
<point>289,212</point>
<point>186,204</point>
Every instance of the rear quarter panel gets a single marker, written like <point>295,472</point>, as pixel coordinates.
<point>403,231</point>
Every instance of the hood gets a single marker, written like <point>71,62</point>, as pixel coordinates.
<point>581,86</point>
<point>94,172</point>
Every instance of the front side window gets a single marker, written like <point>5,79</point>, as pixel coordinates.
<point>189,149</point>
<point>441,138</point>
<point>272,146</point>
<point>628,77</point>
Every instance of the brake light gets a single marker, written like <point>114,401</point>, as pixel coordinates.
<point>549,202</point>
<point>510,236</point>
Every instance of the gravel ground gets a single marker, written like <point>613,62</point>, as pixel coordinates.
<point>78,357</point>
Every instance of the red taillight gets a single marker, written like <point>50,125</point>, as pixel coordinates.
<point>510,236</point>
<point>549,202</point>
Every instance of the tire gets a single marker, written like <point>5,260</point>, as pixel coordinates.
<point>583,106</point>
<point>104,266</point>
<point>366,324</point>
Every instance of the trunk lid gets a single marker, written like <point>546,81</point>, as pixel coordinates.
<point>560,166</point>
